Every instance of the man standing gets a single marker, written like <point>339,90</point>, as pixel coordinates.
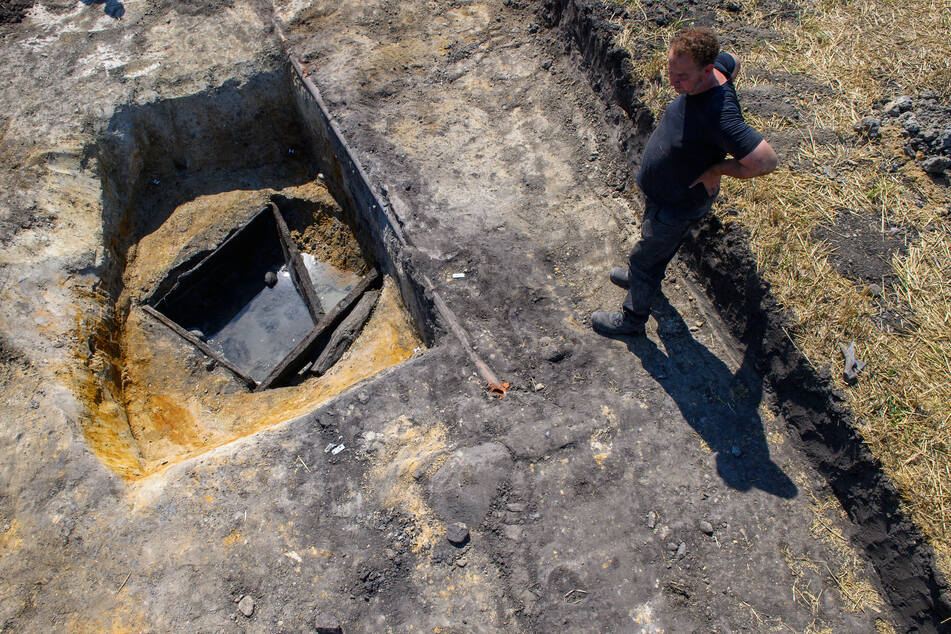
<point>681,169</point>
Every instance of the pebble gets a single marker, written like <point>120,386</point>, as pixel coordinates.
<point>681,550</point>
<point>461,562</point>
<point>515,507</point>
<point>512,531</point>
<point>936,165</point>
<point>910,123</point>
<point>868,126</point>
<point>246,605</point>
<point>874,290</point>
<point>651,520</point>
<point>457,533</point>
<point>672,546</point>
<point>897,106</point>
<point>706,527</point>
<point>270,278</point>
<point>326,623</point>
<point>946,140</point>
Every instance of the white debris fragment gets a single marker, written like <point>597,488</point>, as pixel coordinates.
<point>458,276</point>
<point>337,449</point>
<point>293,555</point>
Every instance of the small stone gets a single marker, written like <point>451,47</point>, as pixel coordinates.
<point>681,550</point>
<point>869,127</point>
<point>197,334</point>
<point>706,527</point>
<point>457,533</point>
<point>945,141</point>
<point>270,278</point>
<point>515,507</point>
<point>326,623</point>
<point>897,106</point>
<point>936,165</point>
<point>246,605</point>
<point>651,520</point>
<point>363,397</point>
<point>461,562</point>
<point>672,546</point>
<point>910,123</point>
<point>874,290</point>
<point>512,531</point>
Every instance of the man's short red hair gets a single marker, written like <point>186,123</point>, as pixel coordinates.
<point>698,42</point>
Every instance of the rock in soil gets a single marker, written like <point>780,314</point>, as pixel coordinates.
<point>457,533</point>
<point>326,623</point>
<point>246,605</point>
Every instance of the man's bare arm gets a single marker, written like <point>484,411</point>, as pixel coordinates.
<point>736,68</point>
<point>762,160</point>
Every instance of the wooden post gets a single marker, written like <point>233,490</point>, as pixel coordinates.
<point>295,264</point>
<point>305,350</point>
<point>348,330</point>
<point>201,345</point>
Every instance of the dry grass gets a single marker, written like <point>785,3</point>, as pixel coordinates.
<point>858,52</point>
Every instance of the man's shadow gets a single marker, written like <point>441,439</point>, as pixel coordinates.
<point>113,8</point>
<point>721,406</point>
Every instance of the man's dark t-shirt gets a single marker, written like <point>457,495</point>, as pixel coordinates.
<point>695,132</point>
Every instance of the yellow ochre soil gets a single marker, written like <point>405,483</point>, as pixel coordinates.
<point>150,398</point>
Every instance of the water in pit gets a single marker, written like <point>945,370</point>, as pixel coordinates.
<point>276,318</point>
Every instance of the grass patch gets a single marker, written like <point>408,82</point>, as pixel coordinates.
<point>857,52</point>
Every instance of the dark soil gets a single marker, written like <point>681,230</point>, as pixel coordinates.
<point>12,11</point>
<point>862,251</point>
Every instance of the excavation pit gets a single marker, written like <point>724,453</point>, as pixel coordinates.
<point>239,287</point>
<point>255,300</point>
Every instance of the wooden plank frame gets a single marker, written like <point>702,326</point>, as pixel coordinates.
<point>305,350</point>
<point>201,345</point>
<point>295,264</point>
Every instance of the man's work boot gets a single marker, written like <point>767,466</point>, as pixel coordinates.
<point>620,276</point>
<point>615,324</point>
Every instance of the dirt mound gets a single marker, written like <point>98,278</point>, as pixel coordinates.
<point>926,124</point>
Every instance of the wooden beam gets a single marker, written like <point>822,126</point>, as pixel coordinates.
<point>305,350</point>
<point>299,274</point>
<point>344,335</point>
<point>201,345</point>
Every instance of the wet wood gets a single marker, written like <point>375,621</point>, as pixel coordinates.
<point>306,349</point>
<point>345,334</point>
<point>201,345</point>
<point>299,274</point>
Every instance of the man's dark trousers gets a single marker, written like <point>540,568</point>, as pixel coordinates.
<point>662,232</point>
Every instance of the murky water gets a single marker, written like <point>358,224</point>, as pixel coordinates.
<point>332,284</point>
<point>267,328</point>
